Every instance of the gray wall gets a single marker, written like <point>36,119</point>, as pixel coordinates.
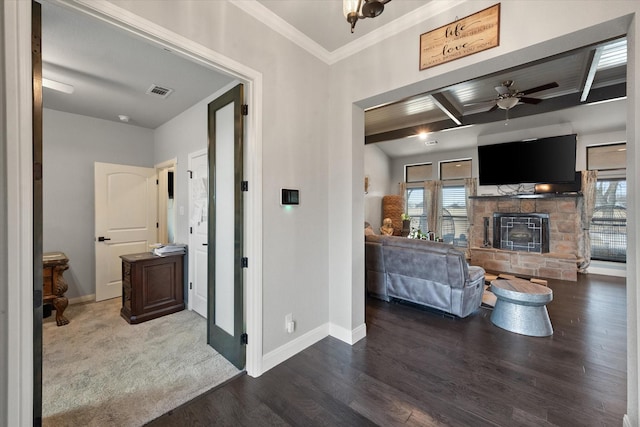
<point>377,168</point>
<point>71,145</point>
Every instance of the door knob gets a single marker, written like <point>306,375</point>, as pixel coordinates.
<point>102,239</point>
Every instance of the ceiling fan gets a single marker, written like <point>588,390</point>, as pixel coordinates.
<point>508,97</point>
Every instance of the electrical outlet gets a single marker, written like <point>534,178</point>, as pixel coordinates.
<point>289,324</point>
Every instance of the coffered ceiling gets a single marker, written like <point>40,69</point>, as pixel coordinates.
<point>591,74</point>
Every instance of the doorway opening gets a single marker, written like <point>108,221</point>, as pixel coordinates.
<point>168,181</point>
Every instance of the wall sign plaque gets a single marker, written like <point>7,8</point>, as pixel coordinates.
<point>464,37</point>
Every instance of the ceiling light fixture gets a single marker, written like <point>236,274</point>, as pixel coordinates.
<point>60,87</point>
<point>507,102</point>
<point>360,9</point>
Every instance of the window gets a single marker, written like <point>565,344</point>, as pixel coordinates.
<point>416,208</point>
<point>608,230</point>
<point>418,173</point>
<point>455,224</point>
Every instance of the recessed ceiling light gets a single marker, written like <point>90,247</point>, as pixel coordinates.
<point>124,118</point>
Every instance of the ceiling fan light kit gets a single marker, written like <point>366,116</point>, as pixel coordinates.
<point>507,103</point>
<point>360,9</point>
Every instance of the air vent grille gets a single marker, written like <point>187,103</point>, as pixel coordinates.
<point>160,91</point>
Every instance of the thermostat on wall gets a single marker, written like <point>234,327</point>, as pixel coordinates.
<point>289,197</point>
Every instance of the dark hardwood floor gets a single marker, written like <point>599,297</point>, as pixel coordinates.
<point>417,367</point>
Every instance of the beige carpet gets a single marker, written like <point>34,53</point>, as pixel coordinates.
<point>100,371</point>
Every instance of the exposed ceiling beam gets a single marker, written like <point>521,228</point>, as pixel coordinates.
<point>447,107</point>
<point>587,82</point>
<point>522,110</point>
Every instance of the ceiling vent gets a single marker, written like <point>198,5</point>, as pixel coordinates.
<point>160,91</point>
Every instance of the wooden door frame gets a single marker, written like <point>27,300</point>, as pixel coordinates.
<point>36,66</point>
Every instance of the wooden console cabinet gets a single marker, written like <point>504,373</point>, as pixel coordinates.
<point>152,286</point>
<point>53,283</point>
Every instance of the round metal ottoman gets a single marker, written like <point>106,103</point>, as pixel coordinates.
<point>521,307</point>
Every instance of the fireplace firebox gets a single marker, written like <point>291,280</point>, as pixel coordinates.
<point>528,232</point>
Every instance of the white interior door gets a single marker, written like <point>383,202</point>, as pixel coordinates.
<point>198,231</point>
<point>125,220</point>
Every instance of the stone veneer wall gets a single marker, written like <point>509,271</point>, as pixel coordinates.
<point>565,213</point>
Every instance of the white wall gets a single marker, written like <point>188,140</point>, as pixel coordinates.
<point>376,167</point>
<point>71,145</point>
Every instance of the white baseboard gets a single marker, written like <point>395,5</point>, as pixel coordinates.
<point>280,354</point>
<point>83,299</point>
<point>626,422</point>
<point>608,268</point>
<point>350,337</point>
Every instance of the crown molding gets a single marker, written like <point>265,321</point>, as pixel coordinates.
<point>279,25</point>
<point>421,14</point>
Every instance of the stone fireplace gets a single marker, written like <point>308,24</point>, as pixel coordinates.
<point>550,253</point>
<point>526,232</point>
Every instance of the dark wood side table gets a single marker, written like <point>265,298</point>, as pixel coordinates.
<point>151,286</point>
<point>54,285</point>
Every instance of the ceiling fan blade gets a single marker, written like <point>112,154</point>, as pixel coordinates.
<point>539,88</point>
<point>530,100</point>
<point>494,108</point>
<point>473,104</point>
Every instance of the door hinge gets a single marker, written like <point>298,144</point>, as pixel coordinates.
<point>244,186</point>
<point>157,182</point>
<point>244,262</point>
<point>190,285</point>
<point>190,174</point>
<point>157,225</point>
<point>244,339</point>
<point>190,230</point>
<point>37,171</point>
<point>245,110</point>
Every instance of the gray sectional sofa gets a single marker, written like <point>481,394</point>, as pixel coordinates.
<point>420,271</point>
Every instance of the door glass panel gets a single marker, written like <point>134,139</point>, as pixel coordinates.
<point>224,219</point>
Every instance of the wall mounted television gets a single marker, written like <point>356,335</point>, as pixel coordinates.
<point>544,160</point>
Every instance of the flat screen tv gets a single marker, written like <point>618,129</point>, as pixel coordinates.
<point>549,160</point>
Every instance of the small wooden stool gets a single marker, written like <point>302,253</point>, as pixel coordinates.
<point>521,307</point>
